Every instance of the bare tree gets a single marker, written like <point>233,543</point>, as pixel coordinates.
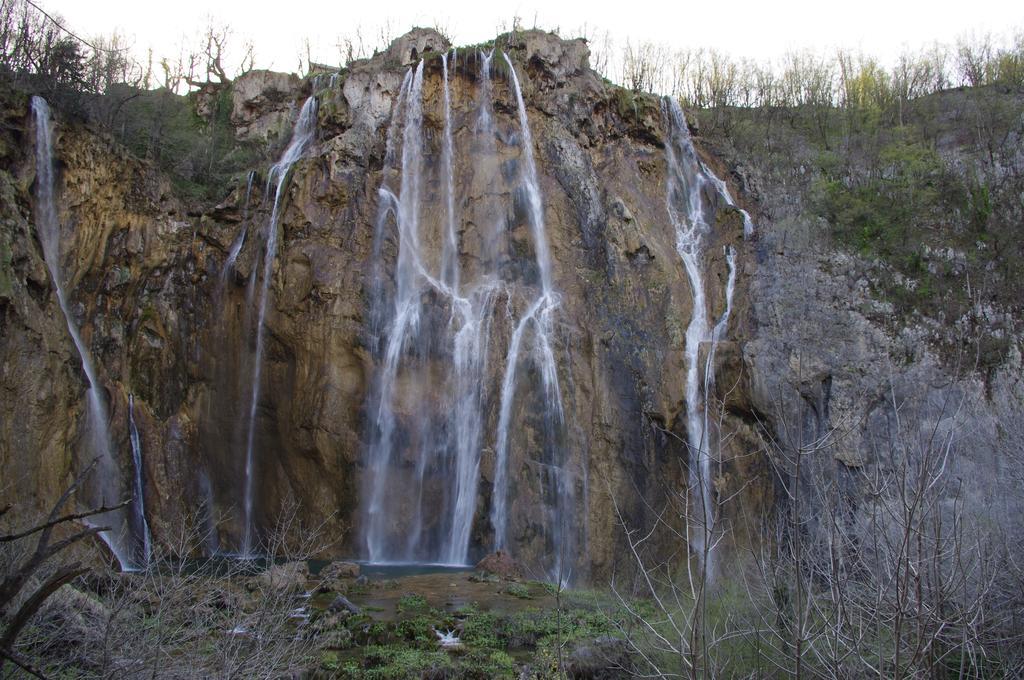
<point>30,567</point>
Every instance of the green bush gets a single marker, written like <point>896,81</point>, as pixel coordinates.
<point>412,603</point>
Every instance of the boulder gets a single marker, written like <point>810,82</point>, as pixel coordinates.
<point>289,577</point>
<point>343,604</point>
<point>501,564</point>
<point>339,570</point>
<point>602,659</point>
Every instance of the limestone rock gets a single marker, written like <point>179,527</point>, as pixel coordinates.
<point>337,577</point>
<point>410,48</point>
<point>501,564</point>
<point>339,570</point>
<point>559,59</point>
<point>263,103</point>
<point>290,577</point>
<point>605,658</point>
<point>342,604</point>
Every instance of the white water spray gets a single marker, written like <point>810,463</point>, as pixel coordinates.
<point>555,479</point>
<point>108,486</point>
<point>140,525</point>
<point>302,136</point>
<point>236,245</point>
<point>685,202</point>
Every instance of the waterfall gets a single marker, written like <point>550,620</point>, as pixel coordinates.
<point>688,178</point>
<point>206,514</point>
<point>555,480</point>
<point>709,365</point>
<point>404,320</point>
<point>236,245</point>
<point>450,253</point>
<point>140,527</point>
<point>723,191</point>
<point>108,484</point>
<point>302,136</point>
<point>447,445</point>
<point>485,149</point>
<point>469,362</point>
<point>430,336</point>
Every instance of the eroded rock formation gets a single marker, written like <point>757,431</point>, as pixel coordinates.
<point>145,272</point>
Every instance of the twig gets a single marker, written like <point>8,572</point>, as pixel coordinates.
<point>61,520</point>
<point>72,34</point>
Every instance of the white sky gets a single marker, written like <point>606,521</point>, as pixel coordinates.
<point>740,27</point>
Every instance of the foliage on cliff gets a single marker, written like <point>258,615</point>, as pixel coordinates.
<point>928,196</point>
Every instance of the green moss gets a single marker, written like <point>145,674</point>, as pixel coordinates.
<point>402,663</point>
<point>329,661</point>
<point>486,664</point>
<point>412,603</point>
<point>518,590</point>
<point>480,629</point>
<point>418,630</point>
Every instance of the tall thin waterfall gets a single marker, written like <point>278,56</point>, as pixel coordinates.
<point>140,527</point>
<point>302,136</point>
<point>688,206</point>
<point>540,317</point>
<point>450,251</point>
<point>236,245</point>
<point>469,360</point>
<point>430,334</point>
<point>723,191</point>
<point>107,486</point>
<point>402,328</point>
<point>447,443</point>
<point>485,150</point>
<point>716,335</point>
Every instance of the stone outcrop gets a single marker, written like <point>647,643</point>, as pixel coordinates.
<point>501,564</point>
<point>263,104</point>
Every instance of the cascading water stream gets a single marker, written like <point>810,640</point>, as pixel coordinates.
<point>140,527</point>
<point>448,446</point>
<point>469,363</point>
<point>485,150</point>
<point>450,252</point>
<point>430,336</point>
<point>540,318</point>
<point>723,191</point>
<point>709,365</point>
<point>688,177</point>
<point>302,136</point>
<point>405,317</point>
<point>236,246</point>
<point>684,201</point>
<point>108,486</point>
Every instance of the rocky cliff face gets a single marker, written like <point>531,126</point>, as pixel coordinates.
<point>167,322</point>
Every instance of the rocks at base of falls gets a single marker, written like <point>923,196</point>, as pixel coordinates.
<point>337,577</point>
<point>290,577</point>
<point>342,604</point>
<point>339,570</point>
<point>604,658</point>
<point>501,564</point>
